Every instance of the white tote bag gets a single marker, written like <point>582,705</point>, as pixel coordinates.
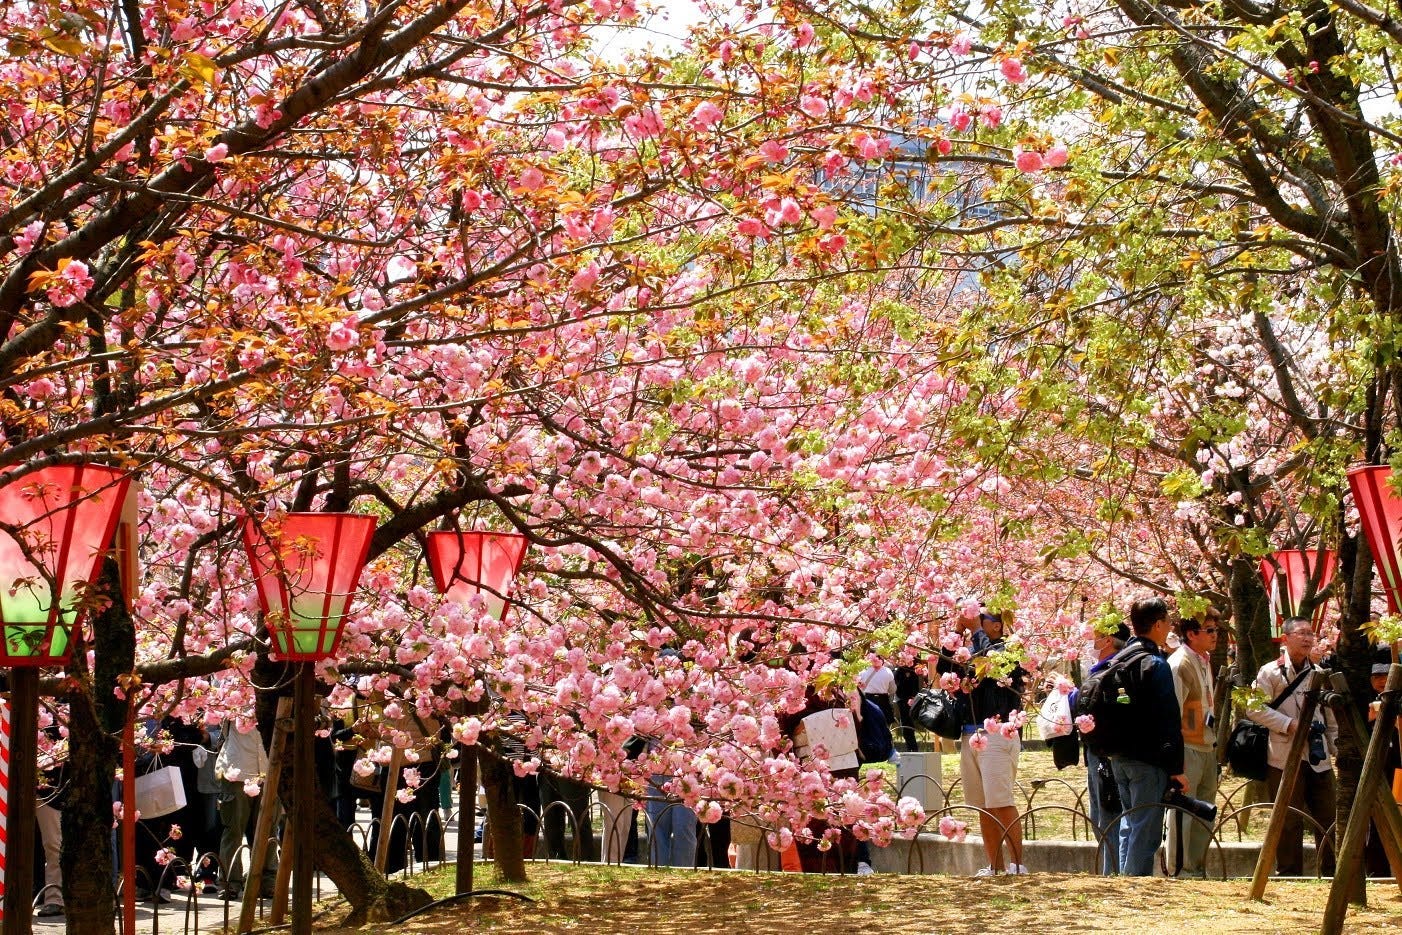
<point>160,792</point>
<point>834,729</point>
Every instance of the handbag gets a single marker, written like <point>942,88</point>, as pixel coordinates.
<point>937,711</point>
<point>1249,745</point>
<point>160,792</point>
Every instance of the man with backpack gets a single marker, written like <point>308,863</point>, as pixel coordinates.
<point>1137,726</point>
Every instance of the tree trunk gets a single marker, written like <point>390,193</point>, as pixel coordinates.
<point>95,718</point>
<point>504,821</point>
<point>1252,615</point>
<point>1354,655</point>
<point>372,897</point>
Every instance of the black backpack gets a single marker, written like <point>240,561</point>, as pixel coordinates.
<point>1109,696</point>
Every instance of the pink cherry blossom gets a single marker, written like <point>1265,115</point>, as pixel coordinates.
<point>1013,70</point>
<point>707,116</point>
<point>1056,156</point>
<point>217,153</point>
<point>991,115</point>
<point>343,335</point>
<point>813,106</point>
<point>586,279</point>
<point>32,233</point>
<point>752,227</point>
<point>953,829</point>
<point>961,44</point>
<point>1028,160</point>
<point>39,389</point>
<point>773,151</point>
<point>71,284</point>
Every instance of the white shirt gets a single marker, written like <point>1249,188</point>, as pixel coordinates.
<point>242,750</point>
<point>876,681</point>
<point>1273,679</point>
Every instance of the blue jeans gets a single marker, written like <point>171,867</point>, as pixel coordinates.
<point>672,829</point>
<point>1105,823</point>
<point>1141,831</point>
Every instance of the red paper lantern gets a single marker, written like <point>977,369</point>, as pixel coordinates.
<point>307,567</point>
<point>59,522</point>
<point>1287,575</point>
<point>468,563</point>
<point>1381,511</point>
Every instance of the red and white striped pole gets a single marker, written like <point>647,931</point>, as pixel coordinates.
<point>4,794</point>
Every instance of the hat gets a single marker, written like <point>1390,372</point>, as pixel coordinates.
<point>1381,668</point>
<point>1121,633</point>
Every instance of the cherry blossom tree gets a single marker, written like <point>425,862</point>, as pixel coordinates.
<point>437,262</point>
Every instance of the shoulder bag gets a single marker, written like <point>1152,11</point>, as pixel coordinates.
<point>1249,745</point>
<point>937,711</point>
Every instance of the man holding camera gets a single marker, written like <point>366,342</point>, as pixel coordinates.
<point>1314,790</point>
<point>1151,763</point>
<point>1191,664</point>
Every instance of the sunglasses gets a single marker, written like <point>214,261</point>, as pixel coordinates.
<point>1213,630</point>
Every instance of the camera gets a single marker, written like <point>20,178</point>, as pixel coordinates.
<point>1174,796</point>
<point>1318,752</point>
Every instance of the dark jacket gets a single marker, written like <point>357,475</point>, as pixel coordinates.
<point>988,698</point>
<point>1150,683</point>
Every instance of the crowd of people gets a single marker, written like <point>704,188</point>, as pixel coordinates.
<point>1168,754</point>
<point>1152,770</point>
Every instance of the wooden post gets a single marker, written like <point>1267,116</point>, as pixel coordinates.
<point>1369,785</point>
<point>467,816</point>
<point>1387,818</point>
<point>277,915</point>
<point>23,791</point>
<point>1222,710</point>
<point>396,763</point>
<point>303,795</point>
<point>264,830</point>
<point>1289,776</point>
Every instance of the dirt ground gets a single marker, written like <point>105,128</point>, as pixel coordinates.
<point>626,900</point>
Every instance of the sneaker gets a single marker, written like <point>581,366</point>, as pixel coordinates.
<point>1018,869</point>
<point>987,872</point>
<point>49,911</point>
<point>231,894</point>
<point>864,869</point>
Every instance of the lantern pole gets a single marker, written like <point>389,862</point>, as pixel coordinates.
<point>303,795</point>
<point>129,817</point>
<point>467,816</point>
<point>24,765</point>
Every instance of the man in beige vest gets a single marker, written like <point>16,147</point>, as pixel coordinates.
<point>1193,683</point>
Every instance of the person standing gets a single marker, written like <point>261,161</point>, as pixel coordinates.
<point>907,687</point>
<point>241,767</point>
<point>1195,687</point>
<point>988,759</point>
<point>48,813</point>
<point>1315,790</point>
<point>1101,792</point>
<point>1154,756</point>
<point>878,683</point>
<point>1374,856</point>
